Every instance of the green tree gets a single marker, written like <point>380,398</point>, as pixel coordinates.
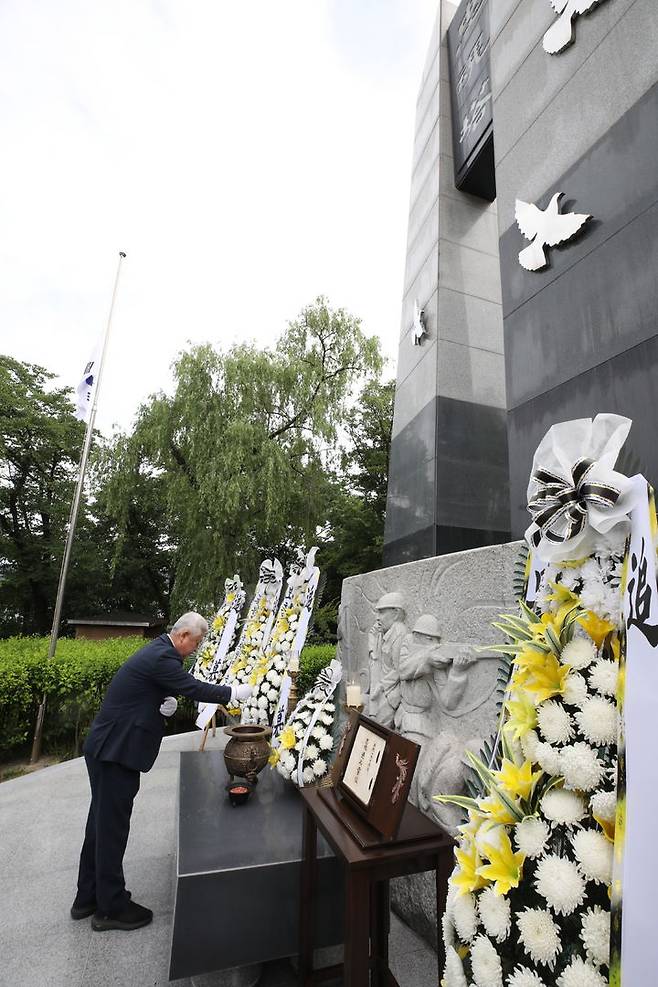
<point>40,443</point>
<point>246,446</point>
<point>354,535</point>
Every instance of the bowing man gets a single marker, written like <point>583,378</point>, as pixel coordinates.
<point>124,740</point>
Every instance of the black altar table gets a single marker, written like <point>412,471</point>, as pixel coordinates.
<point>238,873</point>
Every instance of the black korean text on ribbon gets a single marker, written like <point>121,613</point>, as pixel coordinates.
<point>559,507</point>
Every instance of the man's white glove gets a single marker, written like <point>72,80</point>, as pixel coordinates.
<point>241,692</point>
<point>169,706</point>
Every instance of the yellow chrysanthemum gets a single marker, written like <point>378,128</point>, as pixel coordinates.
<point>230,597</point>
<point>466,878</point>
<point>274,757</point>
<point>504,868</point>
<point>218,623</point>
<point>288,738</point>
<point>517,781</point>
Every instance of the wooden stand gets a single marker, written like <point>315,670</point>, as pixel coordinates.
<point>419,846</point>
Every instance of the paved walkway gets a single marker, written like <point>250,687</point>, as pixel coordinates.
<point>42,818</point>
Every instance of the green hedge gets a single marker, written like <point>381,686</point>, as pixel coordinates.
<point>75,683</point>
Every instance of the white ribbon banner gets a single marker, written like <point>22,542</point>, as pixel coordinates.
<point>639,860</point>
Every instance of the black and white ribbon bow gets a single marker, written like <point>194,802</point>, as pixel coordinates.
<point>267,573</point>
<point>559,508</point>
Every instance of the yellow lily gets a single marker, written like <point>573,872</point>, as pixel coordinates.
<point>561,595</point>
<point>466,878</point>
<point>218,623</point>
<point>518,782</point>
<point>497,811</point>
<point>597,629</point>
<point>522,716</point>
<point>504,868</point>
<point>547,681</point>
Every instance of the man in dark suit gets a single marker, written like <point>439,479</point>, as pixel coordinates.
<point>124,739</point>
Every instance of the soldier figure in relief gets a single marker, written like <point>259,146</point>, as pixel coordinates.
<point>430,676</point>
<point>384,643</point>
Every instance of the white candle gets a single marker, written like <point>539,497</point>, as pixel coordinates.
<point>353,695</point>
<point>293,664</point>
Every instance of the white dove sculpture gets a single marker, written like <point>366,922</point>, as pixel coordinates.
<point>561,33</point>
<point>545,228</point>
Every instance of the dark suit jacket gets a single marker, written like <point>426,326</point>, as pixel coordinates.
<point>129,727</point>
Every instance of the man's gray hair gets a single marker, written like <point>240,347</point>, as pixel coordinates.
<point>192,622</point>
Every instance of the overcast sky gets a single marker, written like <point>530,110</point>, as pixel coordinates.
<point>247,156</point>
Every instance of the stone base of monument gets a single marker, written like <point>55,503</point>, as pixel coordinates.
<point>241,976</point>
<point>409,635</point>
<point>237,902</point>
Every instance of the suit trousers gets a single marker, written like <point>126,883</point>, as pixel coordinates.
<point>100,877</point>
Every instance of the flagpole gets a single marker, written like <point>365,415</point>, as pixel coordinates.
<point>73,517</point>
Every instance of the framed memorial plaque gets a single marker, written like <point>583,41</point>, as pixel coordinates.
<point>372,775</point>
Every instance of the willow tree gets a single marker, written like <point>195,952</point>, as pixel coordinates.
<point>243,449</point>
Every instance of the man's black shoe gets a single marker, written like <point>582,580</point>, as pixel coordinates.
<point>132,916</point>
<point>80,910</point>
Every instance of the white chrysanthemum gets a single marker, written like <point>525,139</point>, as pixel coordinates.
<point>554,722</point>
<point>311,752</point>
<point>563,807</point>
<point>326,742</point>
<point>448,930</point>
<point>485,963</point>
<point>611,607</point>
<point>319,767</point>
<point>318,732</point>
<point>262,702</point>
<point>558,880</point>
<point>594,854</point>
<point>539,935</point>
<point>465,917</point>
<point>597,719</point>
<point>604,805</point>
<point>594,597</point>
<point>575,689</point>
<point>529,743</point>
<point>581,974</point>
<point>308,775</point>
<point>578,653</point>
<point>580,767</point>
<point>523,977</point>
<point>530,836</point>
<point>272,695</point>
<point>595,935</point>
<point>603,676</point>
<point>455,976</point>
<point>495,914</point>
<point>548,758</point>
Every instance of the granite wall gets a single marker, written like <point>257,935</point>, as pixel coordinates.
<point>448,468</point>
<point>580,335</point>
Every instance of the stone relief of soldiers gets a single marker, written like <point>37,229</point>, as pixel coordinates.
<point>430,677</point>
<point>384,643</point>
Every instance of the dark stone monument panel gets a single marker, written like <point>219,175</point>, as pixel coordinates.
<point>627,385</point>
<point>600,294</point>
<point>614,182</point>
<point>418,545</point>
<point>466,486</point>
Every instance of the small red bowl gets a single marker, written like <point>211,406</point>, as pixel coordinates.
<point>238,792</point>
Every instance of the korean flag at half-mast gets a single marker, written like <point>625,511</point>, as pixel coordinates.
<point>84,392</point>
